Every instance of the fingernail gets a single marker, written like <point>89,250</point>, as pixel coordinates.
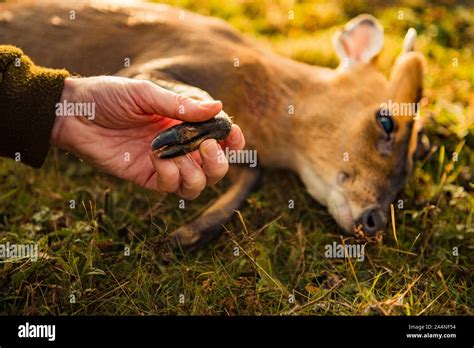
<point>208,104</point>
<point>210,149</point>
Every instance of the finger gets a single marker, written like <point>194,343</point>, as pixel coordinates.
<point>167,174</point>
<point>197,157</point>
<point>215,163</point>
<point>193,179</point>
<point>235,140</point>
<point>169,104</point>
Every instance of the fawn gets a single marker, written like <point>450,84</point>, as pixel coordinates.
<point>336,128</point>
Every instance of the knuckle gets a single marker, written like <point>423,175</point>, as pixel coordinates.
<point>145,84</point>
<point>188,194</point>
<point>162,188</point>
<point>193,197</point>
<point>219,171</point>
<point>179,104</point>
<point>167,184</point>
<point>195,182</point>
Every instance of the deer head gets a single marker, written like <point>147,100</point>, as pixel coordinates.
<point>358,146</point>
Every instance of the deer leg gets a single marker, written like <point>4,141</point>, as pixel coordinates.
<point>210,223</point>
<point>186,137</point>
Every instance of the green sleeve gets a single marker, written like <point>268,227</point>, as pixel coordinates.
<point>28,97</point>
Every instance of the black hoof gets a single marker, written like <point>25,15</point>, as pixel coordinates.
<point>186,137</point>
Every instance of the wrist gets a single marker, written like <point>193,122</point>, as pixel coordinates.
<point>59,126</point>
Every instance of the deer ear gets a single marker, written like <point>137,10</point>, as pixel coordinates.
<point>359,41</point>
<point>406,78</point>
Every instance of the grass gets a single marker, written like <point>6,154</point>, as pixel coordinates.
<point>270,260</point>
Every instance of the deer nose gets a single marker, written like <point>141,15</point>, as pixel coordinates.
<point>372,220</point>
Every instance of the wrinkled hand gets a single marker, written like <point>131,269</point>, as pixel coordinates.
<point>128,115</point>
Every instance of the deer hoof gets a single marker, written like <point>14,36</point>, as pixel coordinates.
<point>186,137</point>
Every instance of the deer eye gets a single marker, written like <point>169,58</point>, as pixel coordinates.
<point>385,120</point>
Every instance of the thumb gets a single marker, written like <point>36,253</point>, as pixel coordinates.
<point>166,103</point>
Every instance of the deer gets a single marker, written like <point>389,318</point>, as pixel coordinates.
<point>343,138</point>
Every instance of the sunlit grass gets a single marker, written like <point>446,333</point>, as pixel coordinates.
<point>270,253</point>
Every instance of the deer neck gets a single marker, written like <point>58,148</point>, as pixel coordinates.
<point>278,108</point>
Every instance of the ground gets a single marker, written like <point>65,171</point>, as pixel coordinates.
<point>423,266</point>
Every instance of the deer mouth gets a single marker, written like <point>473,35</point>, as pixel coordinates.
<point>340,209</point>
<point>372,219</point>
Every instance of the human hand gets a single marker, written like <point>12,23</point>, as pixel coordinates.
<point>128,115</point>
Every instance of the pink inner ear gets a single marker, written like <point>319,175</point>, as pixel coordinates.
<point>356,41</point>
